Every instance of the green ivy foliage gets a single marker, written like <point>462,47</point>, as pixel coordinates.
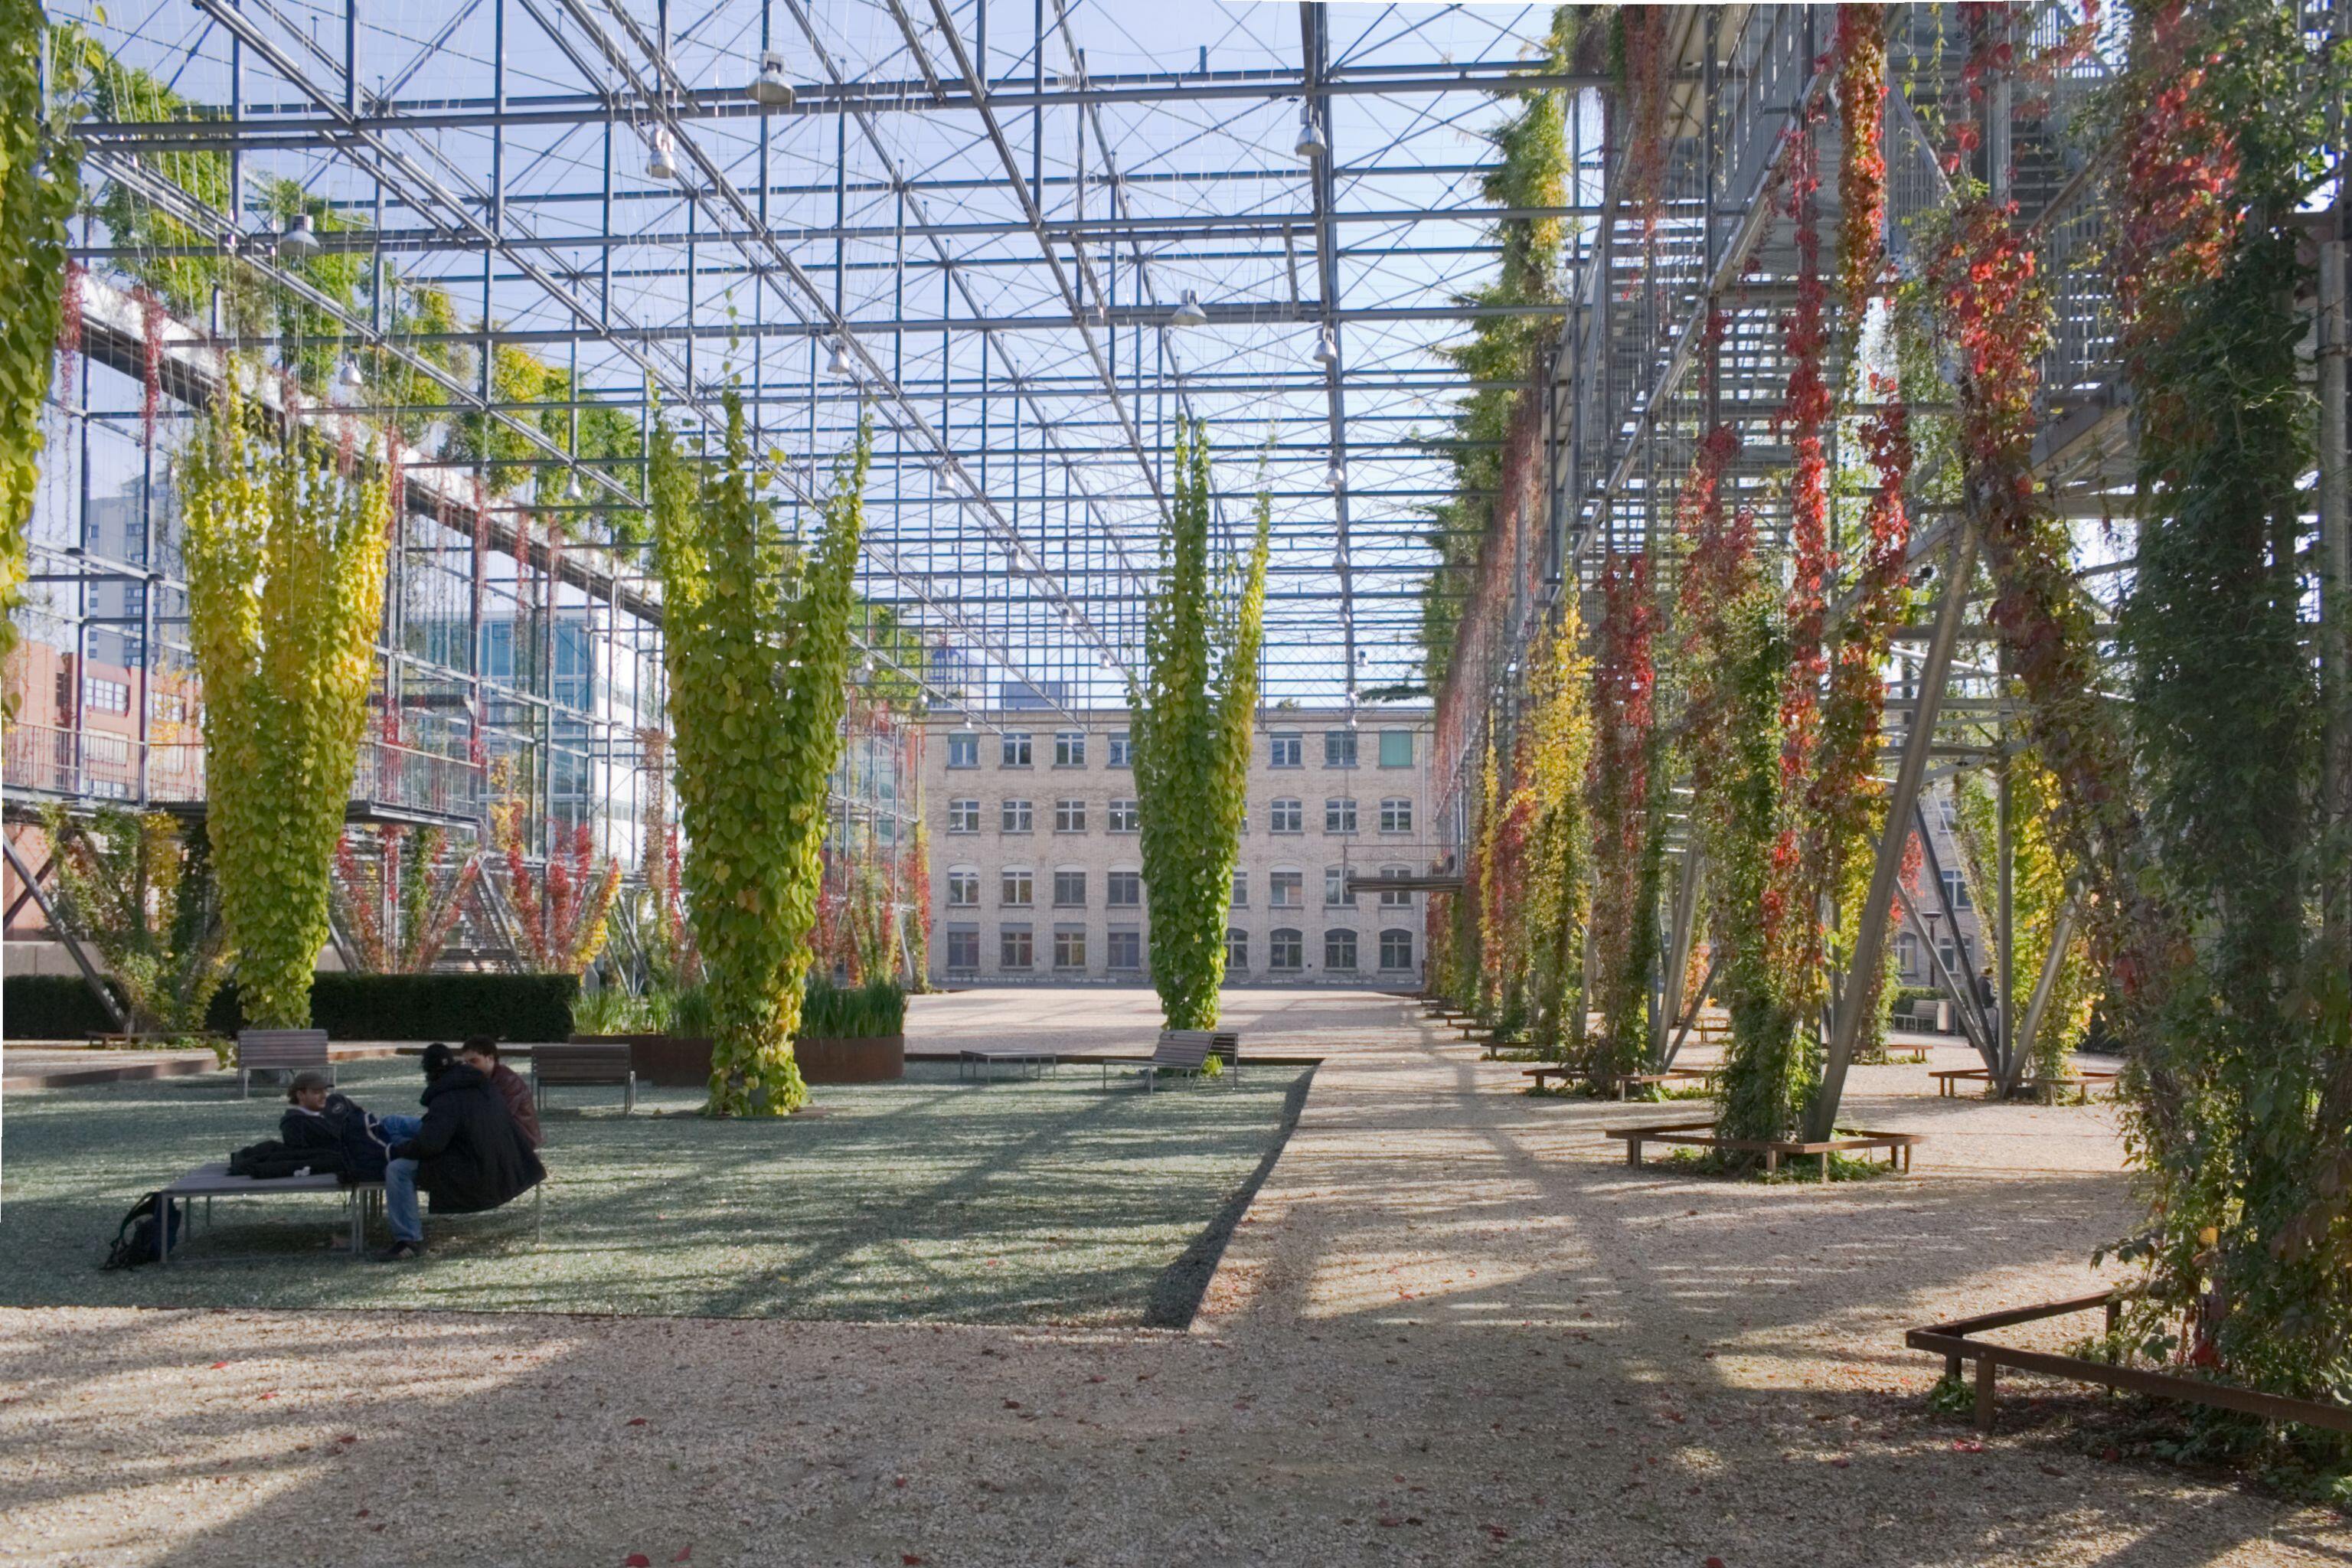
<point>39,182</point>
<point>758,652</point>
<point>1191,718</point>
<point>140,890</point>
<point>286,569</point>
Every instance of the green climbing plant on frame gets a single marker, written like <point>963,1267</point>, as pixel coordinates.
<point>1191,718</point>
<point>284,557</point>
<point>39,182</point>
<point>757,650</point>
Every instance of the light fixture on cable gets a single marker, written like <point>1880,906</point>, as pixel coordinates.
<point>663,164</point>
<point>1336,476</point>
<point>300,238</point>
<point>1188,312</point>
<point>771,89</point>
<point>1310,144</point>
<point>572,487</point>
<point>348,377</point>
<point>838,365</point>
<point>1327,348</point>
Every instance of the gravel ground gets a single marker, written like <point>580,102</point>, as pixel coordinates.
<point>1453,1328</point>
<point>1018,1201</point>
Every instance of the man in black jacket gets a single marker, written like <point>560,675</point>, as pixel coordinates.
<point>466,1151</point>
<point>332,1126</point>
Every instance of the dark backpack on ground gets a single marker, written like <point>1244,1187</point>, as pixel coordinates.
<point>270,1160</point>
<point>137,1240</point>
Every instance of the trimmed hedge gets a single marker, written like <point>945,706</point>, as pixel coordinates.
<point>427,1007</point>
<point>53,1007</point>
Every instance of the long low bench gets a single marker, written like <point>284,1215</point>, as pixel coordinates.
<point>1702,1134</point>
<point>213,1181</point>
<point>1947,1080</point>
<point>1624,1082</point>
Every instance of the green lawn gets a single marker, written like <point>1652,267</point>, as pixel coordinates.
<point>1019,1201</point>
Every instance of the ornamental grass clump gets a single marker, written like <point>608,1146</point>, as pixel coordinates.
<point>758,657</point>
<point>285,551</point>
<point>1191,716</point>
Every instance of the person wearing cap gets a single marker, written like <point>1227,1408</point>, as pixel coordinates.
<point>465,1150</point>
<point>318,1118</point>
<point>481,1053</point>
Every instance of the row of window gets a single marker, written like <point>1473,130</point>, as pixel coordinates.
<point>1019,748</point>
<point>1286,950</point>
<point>1016,887</point>
<point>1287,815</point>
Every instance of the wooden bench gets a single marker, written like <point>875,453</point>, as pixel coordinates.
<point>1948,1079</point>
<point>602,1066</point>
<point>2079,1080</point>
<point>1559,1070</point>
<point>1702,1134</point>
<point>280,1050</point>
<point>1627,1081</point>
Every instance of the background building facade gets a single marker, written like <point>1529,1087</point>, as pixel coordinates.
<point>1037,855</point>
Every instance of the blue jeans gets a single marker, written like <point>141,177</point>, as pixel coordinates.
<point>399,1207</point>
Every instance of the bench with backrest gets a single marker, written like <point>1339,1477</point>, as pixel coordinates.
<point>603,1065</point>
<point>280,1050</point>
<point>1178,1050</point>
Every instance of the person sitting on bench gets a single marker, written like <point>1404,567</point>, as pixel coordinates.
<point>466,1152</point>
<point>318,1119</point>
<point>481,1054</point>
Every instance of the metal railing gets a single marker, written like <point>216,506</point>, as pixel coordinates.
<point>94,765</point>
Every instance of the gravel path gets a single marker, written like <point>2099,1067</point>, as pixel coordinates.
<point>1453,1328</point>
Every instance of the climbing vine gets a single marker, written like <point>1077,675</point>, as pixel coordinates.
<point>560,908</point>
<point>758,655</point>
<point>1548,916</point>
<point>39,182</point>
<point>2039,884</point>
<point>140,889</point>
<point>2242,1117</point>
<point>401,902</point>
<point>1619,808</point>
<point>286,565</point>
<point>1191,716</point>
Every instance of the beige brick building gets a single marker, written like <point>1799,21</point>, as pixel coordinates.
<point>1037,861</point>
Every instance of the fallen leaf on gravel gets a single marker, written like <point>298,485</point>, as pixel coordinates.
<point>349,1437</point>
<point>1966,1445</point>
<point>1097,1377</point>
<point>1388,1521</point>
<point>1497,1531</point>
<point>1714,1563</point>
<point>219,1364</point>
<point>2111,1455</point>
<point>683,1553</point>
<point>1013,1404</point>
<point>636,1420</point>
<point>898,1481</point>
<point>2052,1470</point>
<point>637,1560</point>
<point>1841,1461</point>
<point>910,1560</point>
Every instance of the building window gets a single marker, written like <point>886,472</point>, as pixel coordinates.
<point>1241,890</point>
<point>1906,955</point>
<point>1285,751</point>
<point>1396,950</point>
<point>1286,817</point>
<point>167,708</point>
<point>1013,890</point>
<point>1285,952</point>
<point>1069,889</point>
<point>1340,816</point>
<point>1013,817</point>
<point>1014,950</point>
<point>1396,748</point>
<point>1335,888</point>
<point>963,890</point>
<point>1126,816</point>
<point>1069,748</point>
<point>1016,749</point>
<point>1069,817</point>
<point>1122,753</point>
<point>1395,897</point>
<point>963,948</point>
<point>1956,889</point>
<point>1396,815</point>
<point>1236,950</point>
<point>1124,949</point>
<point>1289,890</point>
<point>1339,748</point>
<point>1339,951</point>
<point>105,696</point>
<point>1069,949</point>
<point>963,817</point>
<point>1124,890</point>
<point>963,751</point>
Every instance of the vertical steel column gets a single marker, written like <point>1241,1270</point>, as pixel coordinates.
<point>1870,941</point>
<point>2334,334</point>
<point>2004,947</point>
<point>2062,932</point>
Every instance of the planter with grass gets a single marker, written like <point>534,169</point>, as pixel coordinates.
<point>848,1035</point>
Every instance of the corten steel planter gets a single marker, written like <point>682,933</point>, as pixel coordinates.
<point>670,1061</point>
<point>872,1058</point>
